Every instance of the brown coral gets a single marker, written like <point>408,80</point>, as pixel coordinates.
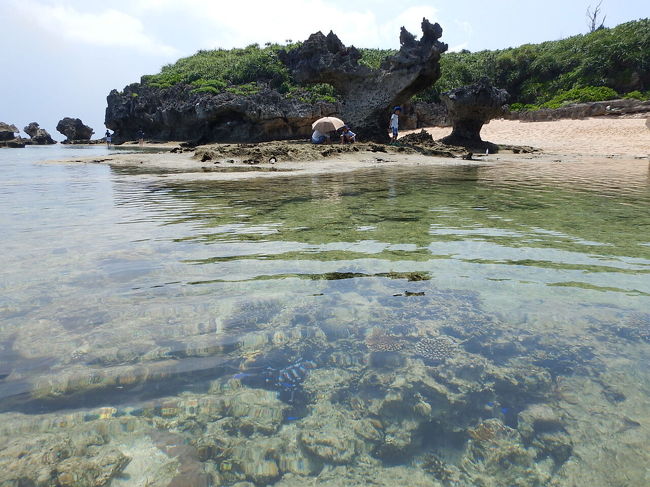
<point>436,349</point>
<point>380,341</point>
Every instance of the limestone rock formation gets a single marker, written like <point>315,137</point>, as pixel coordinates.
<point>469,108</point>
<point>74,130</point>
<point>368,94</point>
<point>579,111</point>
<point>7,132</point>
<point>176,113</point>
<point>8,136</point>
<point>38,136</point>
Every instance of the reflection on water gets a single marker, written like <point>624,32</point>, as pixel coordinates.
<point>443,326</point>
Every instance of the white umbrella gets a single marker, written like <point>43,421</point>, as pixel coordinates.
<point>327,124</point>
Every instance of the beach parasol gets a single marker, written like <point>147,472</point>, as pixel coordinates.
<point>327,124</point>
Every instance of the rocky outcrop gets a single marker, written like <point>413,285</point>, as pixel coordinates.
<point>7,132</point>
<point>177,113</point>
<point>38,136</point>
<point>577,111</point>
<point>469,108</point>
<point>181,113</point>
<point>368,94</point>
<point>418,114</point>
<point>8,136</point>
<point>74,130</point>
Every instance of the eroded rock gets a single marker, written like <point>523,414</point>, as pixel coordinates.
<point>74,130</point>
<point>38,135</point>
<point>178,113</point>
<point>368,94</point>
<point>469,108</point>
<point>8,136</point>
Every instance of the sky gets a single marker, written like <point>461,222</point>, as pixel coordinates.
<point>65,56</point>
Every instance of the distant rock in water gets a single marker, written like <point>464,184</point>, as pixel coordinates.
<point>8,136</point>
<point>469,108</point>
<point>74,130</point>
<point>7,132</point>
<point>369,94</point>
<point>38,135</point>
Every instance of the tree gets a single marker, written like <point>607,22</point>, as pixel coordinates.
<point>592,18</point>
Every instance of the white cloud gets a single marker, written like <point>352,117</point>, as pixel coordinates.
<point>411,19</point>
<point>458,47</point>
<point>236,24</point>
<point>108,28</point>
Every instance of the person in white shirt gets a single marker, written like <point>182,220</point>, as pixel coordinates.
<point>319,138</point>
<point>394,121</point>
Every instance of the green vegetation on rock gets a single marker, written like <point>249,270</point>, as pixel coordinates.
<point>593,67</point>
<point>238,71</point>
<point>604,64</point>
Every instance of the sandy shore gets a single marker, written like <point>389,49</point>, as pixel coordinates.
<point>591,137</point>
<point>566,140</point>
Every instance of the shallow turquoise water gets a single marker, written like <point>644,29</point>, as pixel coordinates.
<point>140,296</point>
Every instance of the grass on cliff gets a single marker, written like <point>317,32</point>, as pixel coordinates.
<point>592,67</point>
<point>601,65</point>
<point>239,71</point>
<point>605,64</point>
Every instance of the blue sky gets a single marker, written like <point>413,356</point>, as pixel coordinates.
<point>65,56</point>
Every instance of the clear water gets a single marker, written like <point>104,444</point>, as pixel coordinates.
<point>466,325</point>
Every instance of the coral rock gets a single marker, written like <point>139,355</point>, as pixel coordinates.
<point>74,130</point>
<point>38,135</point>
<point>469,108</point>
<point>369,94</point>
<point>436,349</point>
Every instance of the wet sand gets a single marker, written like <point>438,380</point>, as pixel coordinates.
<point>617,140</point>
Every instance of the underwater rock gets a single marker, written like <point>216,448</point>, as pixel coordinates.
<point>495,456</point>
<point>332,436</point>
<point>363,473</point>
<point>637,329</point>
<point>78,458</point>
<point>254,411</point>
<point>538,418</point>
<point>95,471</point>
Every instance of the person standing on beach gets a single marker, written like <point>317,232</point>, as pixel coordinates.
<point>394,121</point>
<point>140,137</point>
<point>109,139</point>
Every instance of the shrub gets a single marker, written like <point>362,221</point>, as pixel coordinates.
<point>637,95</point>
<point>581,95</point>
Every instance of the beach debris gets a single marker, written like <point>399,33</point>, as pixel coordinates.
<point>436,349</point>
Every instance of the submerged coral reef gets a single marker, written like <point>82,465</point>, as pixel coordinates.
<point>434,392</point>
